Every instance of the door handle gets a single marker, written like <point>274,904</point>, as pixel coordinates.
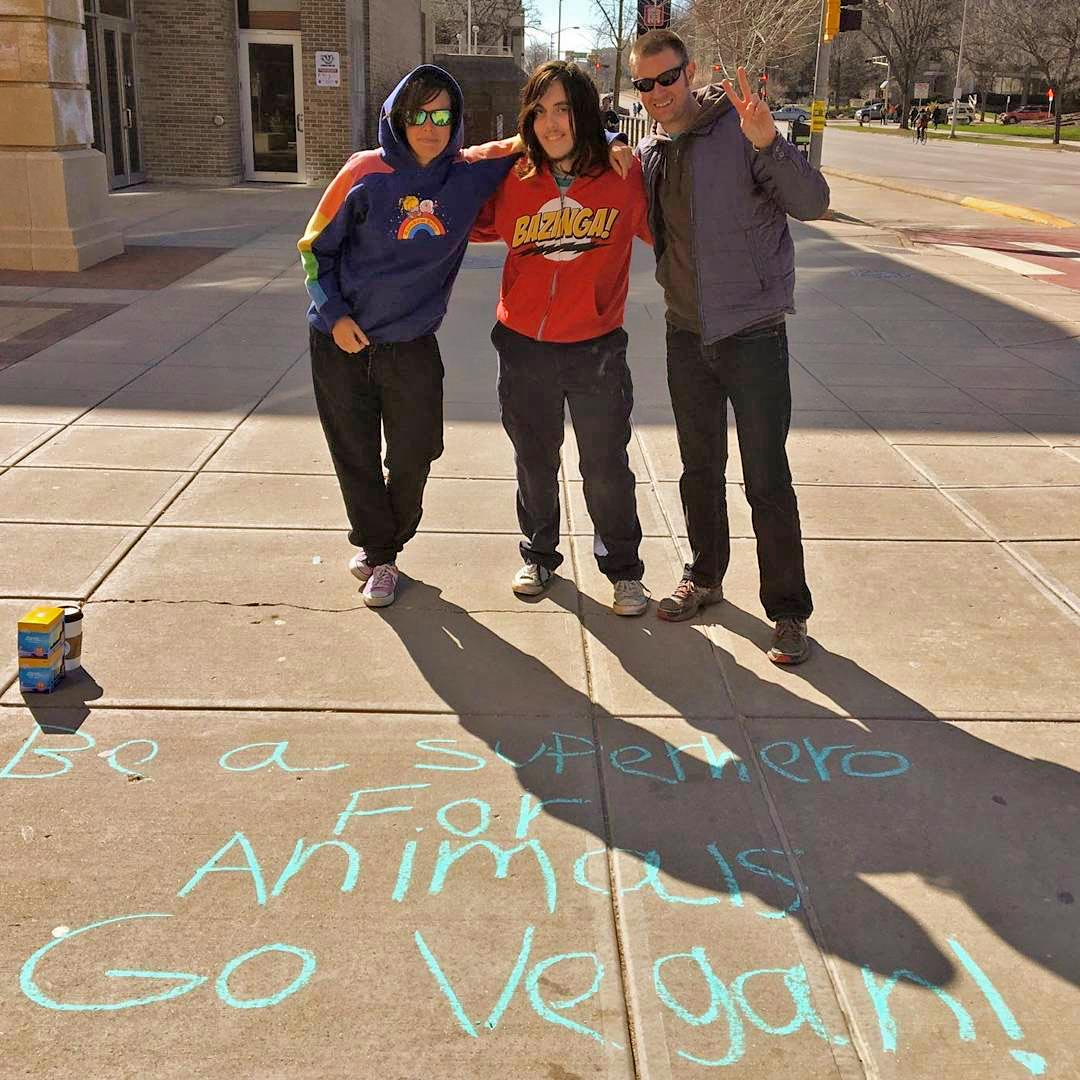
<point>129,118</point>
<point>299,121</point>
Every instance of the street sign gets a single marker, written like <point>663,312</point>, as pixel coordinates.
<point>922,90</point>
<point>817,116</point>
<point>653,15</point>
<point>327,69</point>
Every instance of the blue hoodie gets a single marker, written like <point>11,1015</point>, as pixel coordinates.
<point>387,239</point>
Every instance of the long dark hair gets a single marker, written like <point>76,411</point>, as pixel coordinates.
<point>590,145</point>
<point>421,89</point>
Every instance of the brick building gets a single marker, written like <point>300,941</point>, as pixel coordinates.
<point>224,90</point>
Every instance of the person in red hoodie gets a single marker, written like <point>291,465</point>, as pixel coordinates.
<point>569,221</point>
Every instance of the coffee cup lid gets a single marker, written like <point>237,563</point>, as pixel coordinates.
<point>72,614</point>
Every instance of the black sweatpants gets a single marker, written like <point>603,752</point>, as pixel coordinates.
<point>397,387</point>
<point>535,379</point>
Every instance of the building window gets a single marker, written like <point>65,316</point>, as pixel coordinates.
<point>268,14</point>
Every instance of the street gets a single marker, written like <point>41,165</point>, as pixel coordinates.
<point>1045,179</point>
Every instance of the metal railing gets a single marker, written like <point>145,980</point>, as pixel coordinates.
<point>635,128</point>
<point>455,48</point>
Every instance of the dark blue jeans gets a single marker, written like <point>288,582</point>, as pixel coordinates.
<point>750,370</point>
<point>536,380</point>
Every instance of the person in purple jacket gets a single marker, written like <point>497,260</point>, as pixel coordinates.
<point>721,183</point>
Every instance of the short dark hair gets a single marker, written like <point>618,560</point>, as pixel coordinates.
<point>422,88</point>
<point>656,41</point>
<point>590,143</point>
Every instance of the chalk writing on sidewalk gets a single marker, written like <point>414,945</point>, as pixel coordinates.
<point>440,847</point>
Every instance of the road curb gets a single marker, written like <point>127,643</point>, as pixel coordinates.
<point>987,206</point>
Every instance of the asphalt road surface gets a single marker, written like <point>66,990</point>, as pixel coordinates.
<point>1046,180</point>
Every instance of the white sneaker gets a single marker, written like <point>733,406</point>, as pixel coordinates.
<point>630,598</point>
<point>531,580</point>
<point>358,568</point>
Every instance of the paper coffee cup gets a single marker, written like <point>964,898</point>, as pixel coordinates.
<point>73,620</point>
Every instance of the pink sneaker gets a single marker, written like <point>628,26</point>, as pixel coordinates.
<point>381,587</point>
<point>358,568</point>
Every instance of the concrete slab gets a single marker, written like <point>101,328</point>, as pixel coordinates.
<point>1024,513</point>
<point>149,408</point>
<point>1057,562</point>
<point>1054,430</point>
<point>946,357</point>
<point>18,439</point>
<point>269,443</point>
<point>650,513</point>
<point>1010,377</point>
<point>474,506</point>
<point>948,428</point>
<point>86,496</point>
<point>989,606</point>
<point>440,946</point>
<point>1055,402</point>
<point>48,405</point>
<point>976,905</point>
<point>50,561</point>
<point>199,353</point>
<point>87,446</point>
<point>713,909</point>
<point>212,655</point>
<point>259,500</point>
<point>995,466</point>
<point>307,569</point>
<point>229,384</point>
<point>35,373</point>
<point>641,666</point>
<point>808,393</point>
<point>909,399</point>
<point>897,374</point>
<point>474,445</point>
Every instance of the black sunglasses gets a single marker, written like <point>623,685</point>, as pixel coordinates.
<point>665,78</point>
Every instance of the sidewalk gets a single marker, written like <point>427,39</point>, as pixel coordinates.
<point>271,833</point>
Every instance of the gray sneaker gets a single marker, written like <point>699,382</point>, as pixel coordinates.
<point>790,645</point>
<point>531,580</point>
<point>630,598</point>
<point>687,599</point>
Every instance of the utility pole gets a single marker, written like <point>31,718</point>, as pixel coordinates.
<point>959,60</point>
<point>830,25</point>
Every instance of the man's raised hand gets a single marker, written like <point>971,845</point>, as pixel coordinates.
<point>754,116</point>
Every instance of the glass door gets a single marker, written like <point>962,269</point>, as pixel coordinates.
<point>272,107</point>
<point>113,68</point>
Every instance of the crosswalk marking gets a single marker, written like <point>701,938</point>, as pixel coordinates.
<point>1002,261</point>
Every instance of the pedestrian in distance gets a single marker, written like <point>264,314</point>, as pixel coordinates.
<point>721,182</point>
<point>569,222</point>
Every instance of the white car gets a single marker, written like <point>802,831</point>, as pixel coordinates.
<point>965,114</point>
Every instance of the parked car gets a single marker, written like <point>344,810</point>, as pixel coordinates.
<point>873,111</point>
<point>965,114</point>
<point>791,112</point>
<point>1028,112</point>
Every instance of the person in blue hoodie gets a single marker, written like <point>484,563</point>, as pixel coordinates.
<point>380,256</point>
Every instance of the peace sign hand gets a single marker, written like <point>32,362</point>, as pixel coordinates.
<point>756,120</point>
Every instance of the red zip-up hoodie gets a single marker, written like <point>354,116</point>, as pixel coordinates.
<point>568,268</point>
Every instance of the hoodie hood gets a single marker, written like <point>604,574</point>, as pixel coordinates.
<point>714,103</point>
<point>394,143</point>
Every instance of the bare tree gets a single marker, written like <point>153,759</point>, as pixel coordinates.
<point>537,51</point>
<point>751,33</point>
<point>908,33</point>
<point>618,20</point>
<point>1047,32</point>
<point>491,18</point>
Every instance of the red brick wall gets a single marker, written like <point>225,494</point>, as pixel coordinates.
<point>187,59</point>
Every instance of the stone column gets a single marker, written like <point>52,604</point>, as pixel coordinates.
<point>53,186</point>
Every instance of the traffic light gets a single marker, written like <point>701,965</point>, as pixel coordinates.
<point>850,15</point>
